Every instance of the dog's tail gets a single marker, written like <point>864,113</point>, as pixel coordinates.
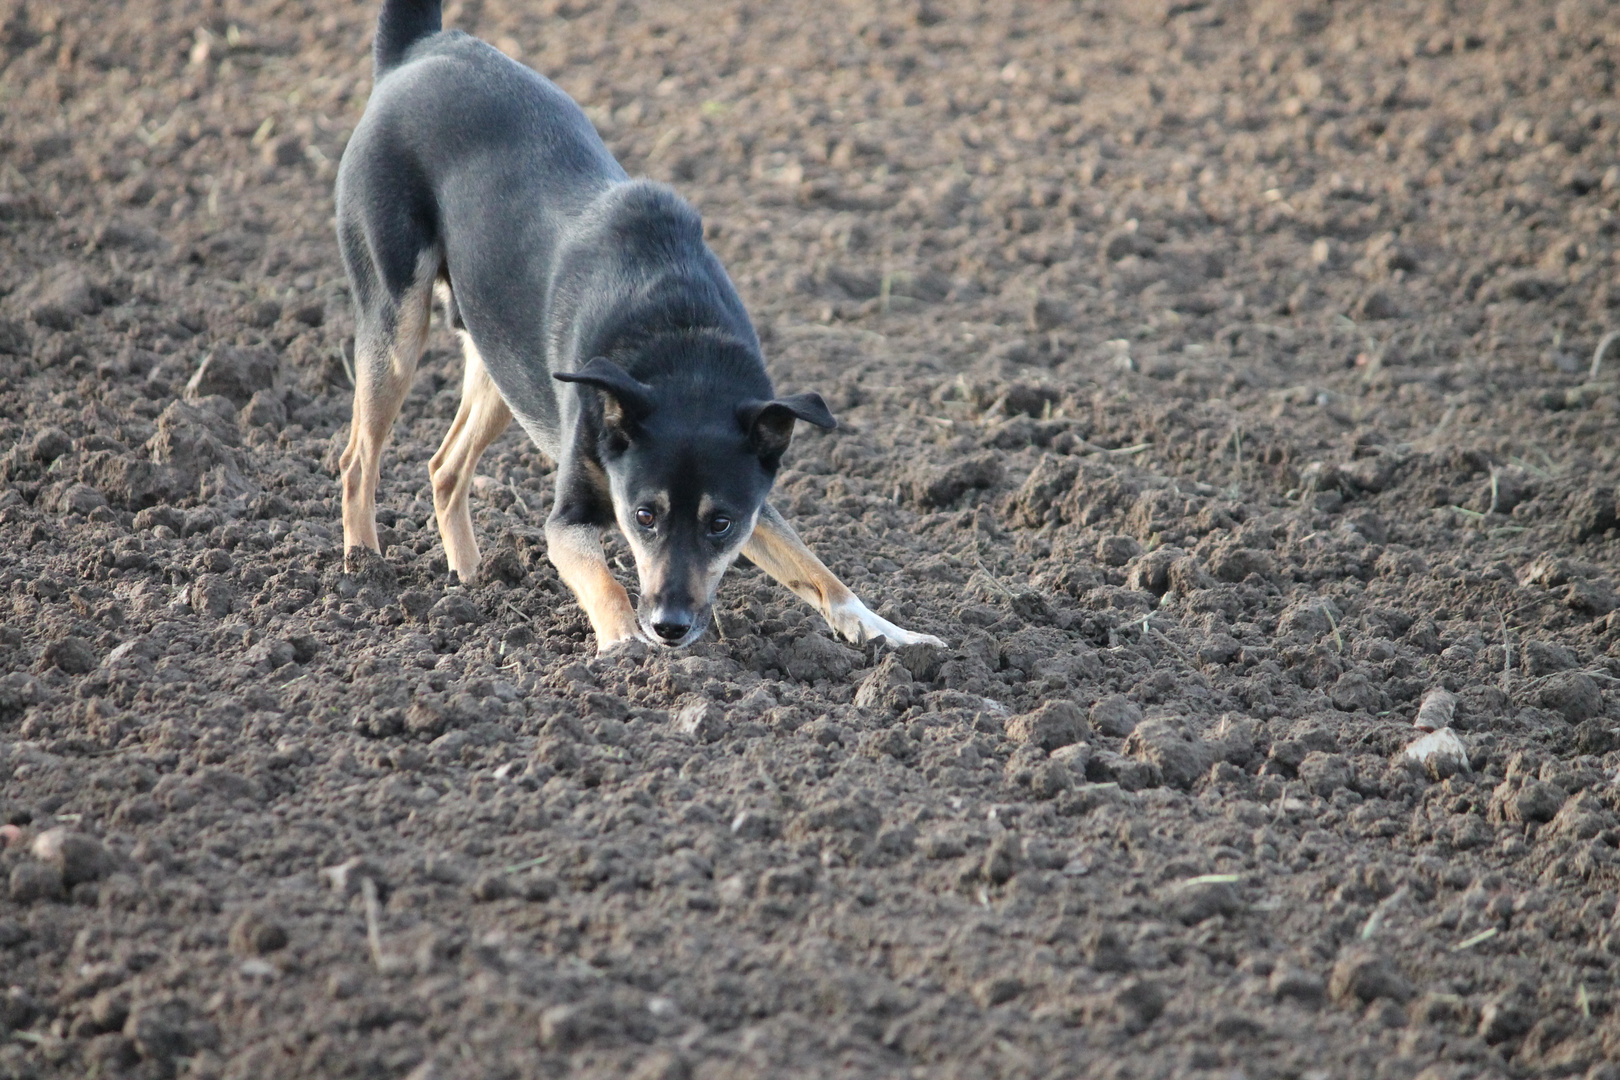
<point>401,24</point>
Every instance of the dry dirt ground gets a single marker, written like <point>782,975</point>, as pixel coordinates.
<point>1214,377</point>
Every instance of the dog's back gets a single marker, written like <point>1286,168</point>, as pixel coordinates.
<point>475,163</point>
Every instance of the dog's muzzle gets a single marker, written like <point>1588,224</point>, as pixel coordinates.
<point>673,627</point>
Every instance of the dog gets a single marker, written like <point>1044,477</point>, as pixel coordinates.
<point>590,309</point>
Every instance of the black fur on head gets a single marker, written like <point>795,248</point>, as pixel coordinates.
<point>626,401</point>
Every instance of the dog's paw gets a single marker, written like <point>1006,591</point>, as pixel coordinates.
<point>855,622</point>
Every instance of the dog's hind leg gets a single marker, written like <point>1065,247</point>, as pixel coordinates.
<point>480,419</point>
<point>389,339</point>
<point>776,549</point>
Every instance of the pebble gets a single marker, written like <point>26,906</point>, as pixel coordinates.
<point>345,877</point>
<point>31,881</point>
<point>492,886</point>
<point>1192,901</point>
<point>1297,984</point>
<point>1436,711</point>
<point>77,857</point>
<point>254,934</point>
<point>701,720</point>
<point>1116,715</point>
<point>1440,754</point>
<point>234,373</point>
<point>1363,975</point>
<point>1055,724</point>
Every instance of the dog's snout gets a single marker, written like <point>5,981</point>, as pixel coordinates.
<point>671,627</point>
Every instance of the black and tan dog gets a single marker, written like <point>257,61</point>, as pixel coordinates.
<point>590,309</point>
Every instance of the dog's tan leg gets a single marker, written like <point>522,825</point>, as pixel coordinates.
<point>776,549</point>
<point>384,361</point>
<point>480,419</point>
<point>576,552</point>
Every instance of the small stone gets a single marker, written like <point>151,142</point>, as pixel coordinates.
<point>1436,711</point>
<point>662,1065</point>
<point>73,655</point>
<point>1573,693</point>
<point>1073,757</point>
<point>1504,1018</point>
<point>154,516</point>
<point>1325,773</point>
<point>212,594</point>
<point>31,881</point>
<point>444,870</point>
<point>1115,715</point>
<point>234,373</point>
<point>1440,754</point>
<point>78,857</point>
<point>1363,975</point>
<point>1117,550</point>
<point>415,603</point>
<point>538,888</point>
<point>1003,860</point>
<point>255,934</point>
<point>1295,983</point>
<point>49,444</point>
<point>491,886</point>
<point>997,990</point>
<point>159,1029</point>
<point>457,609</point>
<point>265,409</point>
<point>1537,802</point>
<point>345,878</point>
<point>76,499</point>
<point>1168,745</point>
<point>563,1027</point>
<point>704,721</point>
<point>1051,779</point>
<point>1053,725</point>
<point>110,1053</point>
<point>1137,1004</point>
<point>1200,898</point>
<point>1219,649</point>
<point>934,485</point>
<point>59,296</point>
<point>1235,564</point>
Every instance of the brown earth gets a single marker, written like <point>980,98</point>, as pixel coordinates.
<point>1214,378</point>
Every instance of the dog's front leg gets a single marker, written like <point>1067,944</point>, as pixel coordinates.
<point>776,549</point>
<point>576,552</point>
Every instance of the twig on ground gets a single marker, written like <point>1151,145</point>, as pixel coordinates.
<point>1597,354</point>
<point>1338,639</point>
<point>1507,654</point>
<point>368,892</point>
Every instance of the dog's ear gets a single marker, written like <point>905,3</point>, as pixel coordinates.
<point>626,401</point>
<point>770,423</point>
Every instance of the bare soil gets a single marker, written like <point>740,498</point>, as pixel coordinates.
<point>1215,378</point>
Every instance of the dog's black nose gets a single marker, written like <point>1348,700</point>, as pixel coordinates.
<point>673,627</point>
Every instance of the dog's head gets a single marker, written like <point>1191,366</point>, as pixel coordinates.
<point>688,475</point>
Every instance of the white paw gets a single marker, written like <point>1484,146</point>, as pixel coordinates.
<point>856,622</point>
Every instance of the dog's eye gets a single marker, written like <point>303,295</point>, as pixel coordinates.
<point>719,525</point>
<point>645,518</point>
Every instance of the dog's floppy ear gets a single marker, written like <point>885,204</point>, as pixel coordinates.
<point>770,423</point>
<point>626,401</point>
